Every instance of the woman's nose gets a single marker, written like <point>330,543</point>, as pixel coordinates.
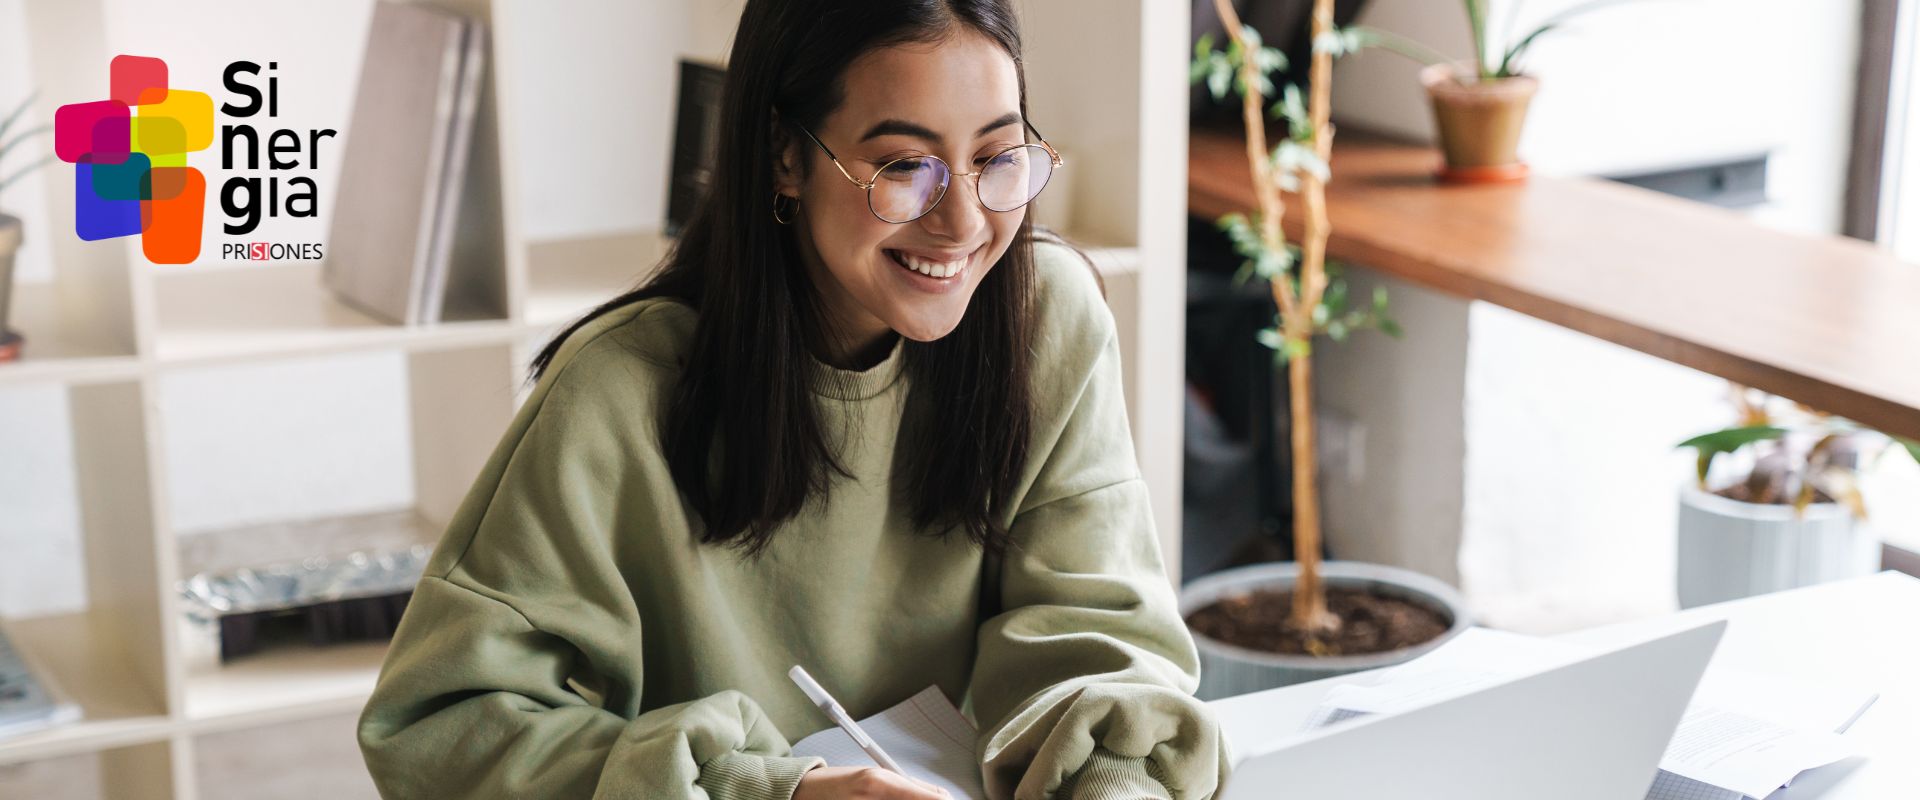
<point>959,216</point>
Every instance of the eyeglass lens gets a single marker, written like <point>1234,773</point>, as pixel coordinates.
<point>910,187</point>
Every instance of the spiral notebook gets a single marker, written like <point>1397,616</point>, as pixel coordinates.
<point>925,733</point>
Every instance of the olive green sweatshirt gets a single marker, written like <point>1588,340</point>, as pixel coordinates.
<point>572,638</point>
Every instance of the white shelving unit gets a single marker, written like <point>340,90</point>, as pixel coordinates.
<point>160,724</point>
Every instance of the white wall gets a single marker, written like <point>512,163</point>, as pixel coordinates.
<point>1568,468</point>
<point>1393,414</point>
<point>40,532</point>
<point>593,112</point>
<point>26,198</point>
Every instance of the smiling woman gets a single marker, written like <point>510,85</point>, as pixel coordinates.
<point>863,420</point>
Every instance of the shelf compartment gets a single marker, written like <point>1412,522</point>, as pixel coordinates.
<point>114,771</point>
<point>317,757</point>
<point>290,681</point>
<point>110,657</point>
<point>566,278</point>
<point>60,347</point>
<point>231,314</point>
<point>120,707</point>
<point>282,685</point>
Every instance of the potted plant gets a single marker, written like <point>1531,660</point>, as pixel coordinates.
<point>1479,106</point>
<point>1788,513</point>
<point>1272,624</point>
<point>10,226</point>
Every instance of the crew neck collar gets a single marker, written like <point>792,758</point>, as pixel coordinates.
<point>847,384</point>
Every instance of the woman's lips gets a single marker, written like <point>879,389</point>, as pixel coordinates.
<point>935,266</point>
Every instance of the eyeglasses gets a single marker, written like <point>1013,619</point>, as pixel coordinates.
<point>905,189</point>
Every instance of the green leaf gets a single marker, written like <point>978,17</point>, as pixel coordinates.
<point>1477,25</point>
<point>1727,441</point>
<point>1268,59</point>
<point>1251,35</point>
<point>1912,447</point>
<point>1292,157</point>
<point>1218,81</point>
<point>14,115</point>
<point>1269,337</point>
<point>1297,348</point>
<point>1509,63</point>
<point>1294,109</point>
<point>1731,439</point>
<point>22,172</point>
<point>1269,264</point>
<point>7,145</point>
<point>1243,274</point>
<point>1341,41</point>
<point>1401,45</point>
<point>1335,298</point>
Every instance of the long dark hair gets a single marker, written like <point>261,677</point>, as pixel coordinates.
<point>745,389</point>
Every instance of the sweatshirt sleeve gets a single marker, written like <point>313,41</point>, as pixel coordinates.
<point>516,670</point>
<point>1084,675</point>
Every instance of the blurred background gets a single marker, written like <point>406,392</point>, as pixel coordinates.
<point>217,478</point>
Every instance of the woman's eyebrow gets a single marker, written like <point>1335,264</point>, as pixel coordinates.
<point>901,127</point>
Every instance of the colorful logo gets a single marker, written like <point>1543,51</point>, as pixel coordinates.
<point>129,157</point>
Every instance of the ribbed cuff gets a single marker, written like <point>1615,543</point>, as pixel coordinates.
<point>1110,776</point>
<point>738,776</point>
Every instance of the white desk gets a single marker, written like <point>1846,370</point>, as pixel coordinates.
<point>1863,632</point>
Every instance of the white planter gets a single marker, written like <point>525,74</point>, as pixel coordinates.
<point>1227,671</point>
<point>1729,549</point>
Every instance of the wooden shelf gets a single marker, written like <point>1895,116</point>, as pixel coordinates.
<point>1826,321</point>
<point>280,542</point>
<point>566,278</point>
<point>61,349</point>
<point>232,314</point>
<point>118,706</point>
<point>289,683</point>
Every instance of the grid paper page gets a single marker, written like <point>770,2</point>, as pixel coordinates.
<point>1668,786</point>
<point>925,734</point>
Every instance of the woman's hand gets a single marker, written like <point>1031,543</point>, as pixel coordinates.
<point>863,783</point>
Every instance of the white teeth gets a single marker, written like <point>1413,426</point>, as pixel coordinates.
<point>932,269</point>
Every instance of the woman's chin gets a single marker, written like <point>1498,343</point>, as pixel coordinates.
<point>927,329</point>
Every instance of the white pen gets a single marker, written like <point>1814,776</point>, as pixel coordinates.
<point>840,717</point>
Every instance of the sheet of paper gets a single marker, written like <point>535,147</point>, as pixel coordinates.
<point>925,734</point>
<point>1752,756</point>
<point>1781,727</point>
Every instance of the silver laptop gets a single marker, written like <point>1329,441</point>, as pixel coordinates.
<point>1593,729</point>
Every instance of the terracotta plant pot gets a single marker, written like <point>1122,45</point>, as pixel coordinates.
<point>1479,122</point>
<point>10,228</point>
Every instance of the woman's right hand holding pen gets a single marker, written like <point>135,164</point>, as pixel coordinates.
<point>864,783</point>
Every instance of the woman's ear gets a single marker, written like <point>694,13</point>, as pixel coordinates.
<point>786,159</point>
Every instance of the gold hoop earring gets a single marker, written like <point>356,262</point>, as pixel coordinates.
<point>790,209</point>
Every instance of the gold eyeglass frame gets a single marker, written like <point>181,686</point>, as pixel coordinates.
<point>951,174</point>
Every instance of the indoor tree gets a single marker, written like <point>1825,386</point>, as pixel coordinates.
<point>1311,299</point>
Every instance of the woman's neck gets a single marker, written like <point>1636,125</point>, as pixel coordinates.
<point>851,338</point>
<point>858,354</point>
